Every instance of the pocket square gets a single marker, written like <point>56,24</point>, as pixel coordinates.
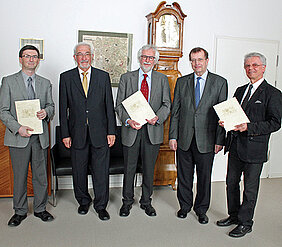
<point>258,102</point>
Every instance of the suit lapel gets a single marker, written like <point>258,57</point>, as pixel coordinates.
<point>191,89</point>
<point>134,81</point>
<point>21,84</point>
<point>93,81</point>
<point>256,94</point>
<point>77,80</point>
<point>153,85</point>
<point>207,89</point>
<point>38,86</point>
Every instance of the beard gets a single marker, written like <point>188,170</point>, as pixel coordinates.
<point>86,66</point>
<point>146,69</point>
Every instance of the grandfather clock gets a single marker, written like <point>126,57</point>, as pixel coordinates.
<point>165,31</point>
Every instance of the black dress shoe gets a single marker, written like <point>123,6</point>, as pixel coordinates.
<point>44,216</point>
<point>182,213</point>
<point>240,231</point>
<point>149,210</point>
<point>125,210</point>
<point>103,214</point>
<point>203,219</point>
<point>227,221</point>
<point>16,220</point>
<point>83,209</point>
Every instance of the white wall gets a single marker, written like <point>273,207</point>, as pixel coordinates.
<point>58,22</point>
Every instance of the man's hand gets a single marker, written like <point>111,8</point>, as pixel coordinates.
<point>111,140</point>
<point>23,131</point>
<point>134,125</point>
<point>67,142</point>
<point>221,123</point>
<point>173,145</point>
<point>153,120</point>
<point>241,127</point>
<point>41,114</point>
<point>217,148</point>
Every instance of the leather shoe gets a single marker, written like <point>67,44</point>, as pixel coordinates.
<point>182,213</point>
<point>83,209</point>
<point>125,210</point>
<point>44,216</point>
<point>227,221</point>
<point>240,231</point>
<point>16,220</point>
<point>149,210</point>
<point>103,214</point>
<point>203,219</point>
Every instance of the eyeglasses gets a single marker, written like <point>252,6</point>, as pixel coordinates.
<point>247,66</point>
<point>87,54</point>
<point>144,57</point>
<point>199,60</point>
<point>29,56</point>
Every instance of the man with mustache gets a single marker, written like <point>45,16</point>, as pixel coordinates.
<point>144,140</point>
<point>88,125</point>
<point>194,133</point>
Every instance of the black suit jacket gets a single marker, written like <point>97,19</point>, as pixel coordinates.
<point>76,109</point>
<point>264,112</point>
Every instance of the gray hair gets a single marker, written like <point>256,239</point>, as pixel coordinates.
<point>83,43</point>
<point>148,47</point>
<point>255,54</point>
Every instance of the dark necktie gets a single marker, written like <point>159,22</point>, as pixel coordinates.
<point>197,92</point>
<point>246,99</point>
<point>145,87</point>
<point>30,90</point>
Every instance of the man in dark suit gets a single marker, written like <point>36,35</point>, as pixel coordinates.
<point>248,144</point>
<point>146,139</point>
<point>24,146</point>
<point>194,133</point>
<point>88,125</point>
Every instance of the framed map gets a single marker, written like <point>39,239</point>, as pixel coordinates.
<point>112,52</point>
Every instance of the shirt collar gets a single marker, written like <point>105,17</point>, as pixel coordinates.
<point>141,73</point>
<point>81,71</point>
<point>203,76</point>
<point>257,84</point>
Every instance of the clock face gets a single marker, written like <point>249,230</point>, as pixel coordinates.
<point>167,31</point>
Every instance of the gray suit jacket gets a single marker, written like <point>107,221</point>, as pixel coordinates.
<point>160,102</point>
<point>13,89</point>
<point>203,121</point>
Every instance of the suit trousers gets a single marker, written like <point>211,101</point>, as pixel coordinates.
<point>20,158</point>
<point>149,153</point>
<point>244,211</point>
<point>186,163</point>
<point>95,159</point>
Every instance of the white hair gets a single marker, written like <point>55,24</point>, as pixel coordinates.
<point>255,54</point>
<point>83,43</point>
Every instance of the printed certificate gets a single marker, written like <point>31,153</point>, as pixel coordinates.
<point>26,114</point>
<point>138,108</point>
<point>231,112</point>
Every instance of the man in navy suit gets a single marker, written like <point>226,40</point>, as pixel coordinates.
<point>248,144</point>
<point>88,124</point>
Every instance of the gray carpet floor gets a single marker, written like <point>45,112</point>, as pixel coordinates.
<point>70,229</point>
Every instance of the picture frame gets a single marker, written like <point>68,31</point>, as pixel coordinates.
<point>112,52</point>
<point>38,43</point>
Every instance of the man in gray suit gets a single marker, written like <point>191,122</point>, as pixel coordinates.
<point>23,146</point>
<point>144,140</point>
<point>194,132</point>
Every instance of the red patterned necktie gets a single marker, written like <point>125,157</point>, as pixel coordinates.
<point>145,87</point>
